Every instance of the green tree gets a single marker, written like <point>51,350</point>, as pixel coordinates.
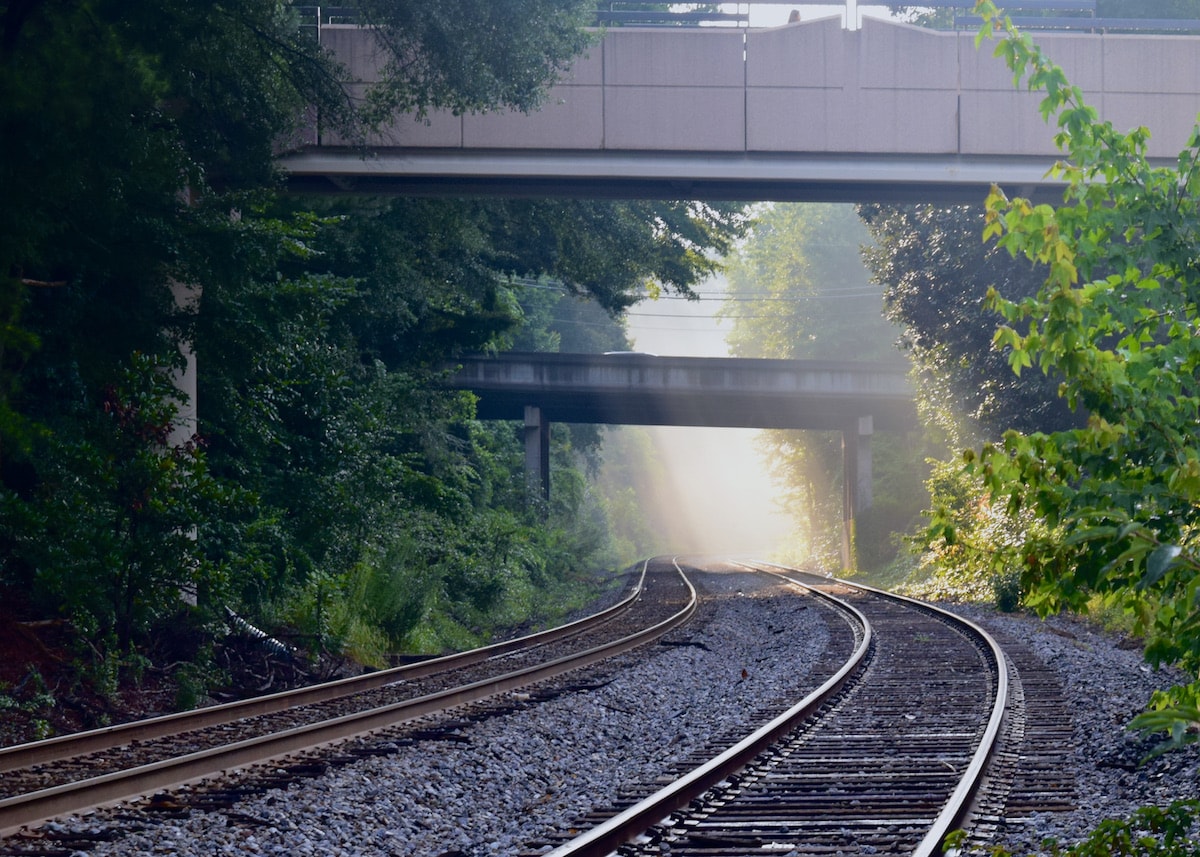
<point>614,251</point>
<point>136,147</point>
<point>137,144</point>
<point>936,273</point>
<point>1116,499</point>
<point>472,55</point>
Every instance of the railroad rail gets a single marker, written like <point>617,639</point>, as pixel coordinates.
<point>885,757</point>
<point>45,779</point>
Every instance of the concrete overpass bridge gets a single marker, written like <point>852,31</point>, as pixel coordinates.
<point>641,389</point>
<point>807,111</point>
<point>804,112</point>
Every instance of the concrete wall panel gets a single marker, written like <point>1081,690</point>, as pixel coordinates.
<point>870,121</point>
<point>674,118</point>
<point>795,120</point>
<point>814,88</point>
<point>913,122</point>
<point>572,118</point>
<point>356,48</point>
<point>891,56</point>
<point>809,54</point>
<point>440,130</point>
<point>1004,123</point>
<point>587,70</point>
<point>1151,64</point>
<point>700,57</point>
<point>1081,58</point>
<point>1172,122</point>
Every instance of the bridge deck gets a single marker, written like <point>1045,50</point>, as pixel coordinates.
<point>804,111</point>
<point>641,389</point>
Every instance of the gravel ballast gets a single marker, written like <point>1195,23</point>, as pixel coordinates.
<point>506,780</point>
<point>501,782</point>
<point>1106,683</point>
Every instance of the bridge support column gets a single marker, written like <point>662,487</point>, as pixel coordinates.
<point>856,482</point>
<point>537,452</point>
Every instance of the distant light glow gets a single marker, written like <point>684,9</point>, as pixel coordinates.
<point>719,482</point>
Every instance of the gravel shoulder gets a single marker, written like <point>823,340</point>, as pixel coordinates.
<point>1106,683</point>
<point>499,783</point>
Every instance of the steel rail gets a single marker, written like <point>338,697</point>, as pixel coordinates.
<point>603,839</point>
<point>28,809</point>
<point>958,806</point>
<point>111,737</point>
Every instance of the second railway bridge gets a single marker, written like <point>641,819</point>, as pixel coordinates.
<point>855,399</point>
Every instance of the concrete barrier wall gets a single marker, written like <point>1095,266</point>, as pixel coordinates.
<point>816,88</point>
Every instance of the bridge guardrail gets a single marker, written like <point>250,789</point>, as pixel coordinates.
<point>1078,15</point>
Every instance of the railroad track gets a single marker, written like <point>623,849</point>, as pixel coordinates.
<point>885,758</point>
<point>42,780</point>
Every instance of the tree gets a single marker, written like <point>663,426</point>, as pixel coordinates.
<point>472,55</point>
<point>117,117</point>
<point>936,273</point>
<point>137,144</point>
<point>614,251</point>
<point>1116,499</point>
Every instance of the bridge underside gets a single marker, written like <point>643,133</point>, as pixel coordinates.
<point>742,176</point>
<point>641,389</point>
<point>727,409</point>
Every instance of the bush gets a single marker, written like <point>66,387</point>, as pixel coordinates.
<point>1007,587</point>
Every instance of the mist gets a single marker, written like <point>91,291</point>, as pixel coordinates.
<point>715,494</point>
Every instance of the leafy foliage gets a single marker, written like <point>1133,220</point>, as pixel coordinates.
<point>1150,831</point>
<point>472,55</point>
<point>1115,499</point>
<point>126,547</point>
<point>936,274</point>
<point>334,487</point>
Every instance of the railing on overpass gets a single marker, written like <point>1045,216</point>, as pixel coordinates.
<point>1071,15</point>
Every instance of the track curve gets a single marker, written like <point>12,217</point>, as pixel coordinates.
<point>886,757</point>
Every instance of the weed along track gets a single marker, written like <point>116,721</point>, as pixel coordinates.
<point>46,779</point>
<point>885,757</point>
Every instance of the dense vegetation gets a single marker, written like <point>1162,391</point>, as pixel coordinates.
<point>1114,499</point>
<point>329,487</point>
<point>1078,489</point>
<point>332,489</point>
<point>1090,500</point>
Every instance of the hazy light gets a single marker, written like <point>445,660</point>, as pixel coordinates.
<point>720,490</point>
<point>722,493</point>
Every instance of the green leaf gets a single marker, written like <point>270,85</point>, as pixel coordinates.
<point>1157,565</point>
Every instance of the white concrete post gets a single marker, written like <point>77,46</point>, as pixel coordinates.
<point>186,420</point>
